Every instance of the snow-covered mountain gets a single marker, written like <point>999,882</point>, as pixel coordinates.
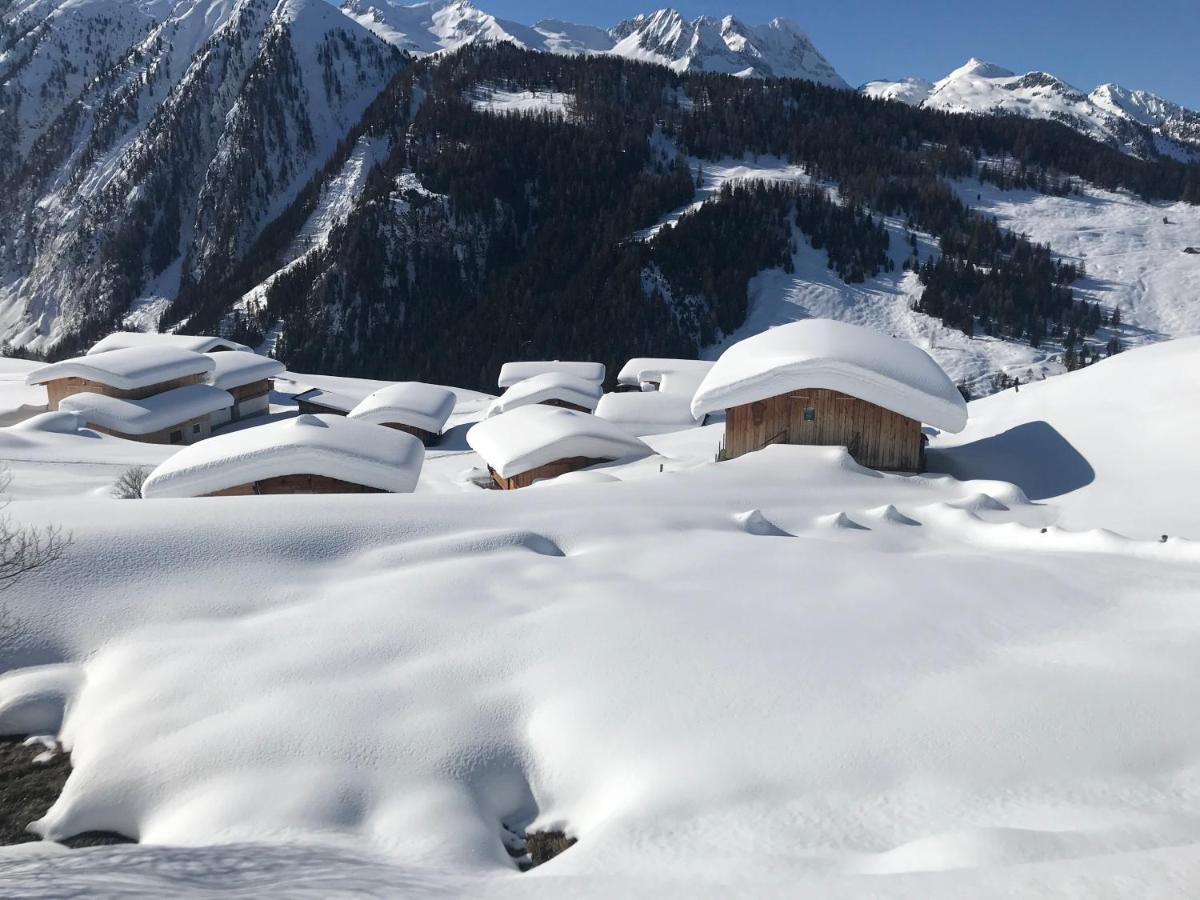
<point>1137,122</point>
<point>778,49</point>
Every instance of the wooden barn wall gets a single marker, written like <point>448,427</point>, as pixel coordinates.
<point>549,470</point>
<point>876,437</point>
<point>297,484</point>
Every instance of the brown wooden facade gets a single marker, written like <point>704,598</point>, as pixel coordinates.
<point>565,405</point>
<point>876,437</point>
<point>308,406</point>
<point>244,393</point>
<point>296,484</point>
<point>549,470</point>
<point>59,388</point>
<point>184,433</point>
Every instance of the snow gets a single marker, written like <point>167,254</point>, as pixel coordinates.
<point>548,386</point>
<point>235,368</point>
<point>424,406</point>
<point>532,436</point>
<point>122,340</point>
<point>330,399</point>
<point>327,445</point>
<point>492,99</point>
<point>33,699</point>
<point>512,372</point>
<point>779,676</point>
<point>1112,429</point>
<point>823,353</point>
<point>149,414</point>
<point>128,369</point>
<point>680,376</point>
<point>647,412</point>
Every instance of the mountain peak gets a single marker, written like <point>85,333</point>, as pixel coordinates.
<point>979,68</point>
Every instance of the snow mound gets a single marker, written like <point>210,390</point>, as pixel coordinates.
<point>235,368</point>
<point>128,369</point>
<point>673,375</point>
<point>532,436</point>
<point>198,343</point>
<point>647,412</point>
<point>149,414</point>
<point>512,372</point>
<point>547,386</point>
<point>326,445</point>
<point>412,403</point>
<point>61,422</point>
<point>34,700</point>
<point>752,521</point>
<point>822,353</point>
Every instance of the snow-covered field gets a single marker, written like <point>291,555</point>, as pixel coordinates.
<point>783,675</point>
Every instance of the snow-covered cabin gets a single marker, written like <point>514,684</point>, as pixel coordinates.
<point>654,373</point>
<point>410,406</point>
<point>647,412</point>
<point>181,415</point>
<point>132,373</point>
<point>303,455</point>
<point>323,402</point>
<point>536,442</point>
<point>512,372</point>
<point>551,388</point>
<point>824,382</point>
<point>249,379</point>
<point>198,343</point>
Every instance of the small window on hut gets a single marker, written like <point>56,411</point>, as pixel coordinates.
<point>810,414</point>
<point>177,437</point>
<point>196,428</point>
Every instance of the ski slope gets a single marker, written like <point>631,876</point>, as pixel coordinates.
<point>779,676</point>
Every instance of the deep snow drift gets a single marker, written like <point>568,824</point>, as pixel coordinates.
<point>783,675</point>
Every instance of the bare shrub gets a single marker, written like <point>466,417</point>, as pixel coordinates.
<point>129,485</point>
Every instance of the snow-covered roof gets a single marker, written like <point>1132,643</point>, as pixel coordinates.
<point>327,445</point>
<point>238,367</point>
<point>149,414</point>
<point>412,403</point>
<point>681,373</point>
<point>128,369</point>
<point>331,399</point>
<point>837,356</point>
<point>512,372</point>
<point>547,386</point>
<point>531,436</point>
<point>647,412</point>
<point>198,343</point>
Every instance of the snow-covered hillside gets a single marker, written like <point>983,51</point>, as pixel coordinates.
<point>783,675</point>
<point>1137,122</point>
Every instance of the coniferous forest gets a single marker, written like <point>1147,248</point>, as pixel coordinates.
<point>483,238</point>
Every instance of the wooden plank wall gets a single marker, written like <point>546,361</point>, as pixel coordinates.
<point>427,437</point>
<point>59,388</point>
<point>876,437</point>
<point>297,484</point>
<point>549,470</point>
<point>187,436</point>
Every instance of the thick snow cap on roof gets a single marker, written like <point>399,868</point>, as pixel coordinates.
<point>674,373</point>
<point>647,412</point>
<point>547,386</point>
<point>531,436</point>
<point>199,343</point>
<point>512,372</point>
<point>135,367</point>
<point>149,414</point>
<point>327,445</point>
<point>412,403</point>
<point>836,356</point>
<point>238,367</point>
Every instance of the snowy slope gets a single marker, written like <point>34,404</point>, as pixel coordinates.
<point>781,676</point>
<point>1137,122</point>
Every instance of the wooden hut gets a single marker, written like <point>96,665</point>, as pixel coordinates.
<point>654,373</point>
<point>249,378</point>
<point>179,416</point>
<point>512,372</point>
<point>829,383</point>
<point>536,442</point>
<point>131,374</point>
<point>410,406</point>
<point>552,389</point>
<point>303,455</point>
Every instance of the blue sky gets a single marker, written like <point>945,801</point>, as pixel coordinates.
<point>1148,44</point>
